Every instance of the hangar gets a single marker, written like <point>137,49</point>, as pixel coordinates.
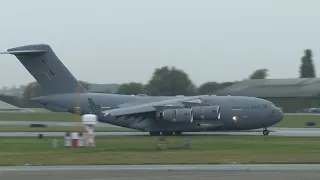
<point>291,94</point>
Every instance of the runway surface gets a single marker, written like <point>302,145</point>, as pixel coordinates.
<point>277,132</point>
<point>173,172</point>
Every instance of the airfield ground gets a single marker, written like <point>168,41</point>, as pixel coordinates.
<point>38,116</point>
<point>52,128</point>
<point>142,150</point>
<point>147,174</point>
<point>290,121</point>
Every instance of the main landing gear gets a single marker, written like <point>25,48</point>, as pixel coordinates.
<point>165,133</point>
<point>265,132</point>
<point>154,133</point>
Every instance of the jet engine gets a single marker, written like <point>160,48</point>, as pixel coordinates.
<point>178,115</point>
<point>206,112</point>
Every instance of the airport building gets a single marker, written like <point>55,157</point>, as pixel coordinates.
<point>291,94</point>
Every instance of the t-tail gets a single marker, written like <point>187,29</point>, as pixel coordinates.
<point>43,64</point>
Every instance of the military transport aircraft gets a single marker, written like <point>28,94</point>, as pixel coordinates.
<point>166,115</point>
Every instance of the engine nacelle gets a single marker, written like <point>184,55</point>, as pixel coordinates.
<point>206,112</point>
<point>178,115</point>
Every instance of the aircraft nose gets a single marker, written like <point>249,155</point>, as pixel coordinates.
<point>279,114</point>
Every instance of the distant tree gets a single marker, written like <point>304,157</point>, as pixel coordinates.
<point>170,81</point>
<point>226,84</point>
<point>259,74</point>
<point>209,87</point>
<point>34,89</point>
<point>307,69</point>
<point>131,88</point>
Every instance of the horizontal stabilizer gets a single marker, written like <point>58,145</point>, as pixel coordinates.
<point>21,52</point>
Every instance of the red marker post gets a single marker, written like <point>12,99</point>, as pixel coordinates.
<point>74,139</point>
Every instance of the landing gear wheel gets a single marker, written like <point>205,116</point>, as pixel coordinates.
<point>167,133</point>
<point>178,133</point>
<point>154,133</point>
<point>265,132</point>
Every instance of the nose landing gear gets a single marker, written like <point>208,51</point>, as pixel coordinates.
<point>265,132</point>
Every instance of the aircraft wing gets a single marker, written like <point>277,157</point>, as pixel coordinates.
<point>176,102</point>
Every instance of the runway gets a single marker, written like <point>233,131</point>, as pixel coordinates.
<point>294,132</point>
<point>173,172</point>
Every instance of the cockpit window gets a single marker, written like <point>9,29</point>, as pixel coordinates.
<point>272,105</point>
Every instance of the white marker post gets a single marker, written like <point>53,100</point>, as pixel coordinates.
<point>67,139</point>
<point>81,139</point>
<point>89,121</point>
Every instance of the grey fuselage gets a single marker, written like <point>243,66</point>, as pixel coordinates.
<point>237,113</point>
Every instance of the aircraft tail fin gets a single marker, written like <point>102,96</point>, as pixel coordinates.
<point>43,64</point>
<point>94,108</point>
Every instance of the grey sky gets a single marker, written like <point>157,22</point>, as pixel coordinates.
<point>116,41</point>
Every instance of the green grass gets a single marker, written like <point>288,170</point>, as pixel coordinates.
<point>299,121</point>
<point>38,116</point>
<point>293,121</point>
<point>142,150</point>
<point>25,128</point>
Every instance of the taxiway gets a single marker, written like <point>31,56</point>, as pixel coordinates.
<point>174,172</point>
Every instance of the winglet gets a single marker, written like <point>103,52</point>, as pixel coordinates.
<point>20,52</point>
<point>94,108</point>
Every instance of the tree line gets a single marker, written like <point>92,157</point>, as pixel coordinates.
<point>165,81</point>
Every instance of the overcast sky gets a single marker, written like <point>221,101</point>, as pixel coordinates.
<point>117,41</point>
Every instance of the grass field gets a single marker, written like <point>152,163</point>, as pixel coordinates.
<point>22,128</point>
<point>299,121</point>
<point>38,116</point>
<point>142,150</point>
<point>293,121</point>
